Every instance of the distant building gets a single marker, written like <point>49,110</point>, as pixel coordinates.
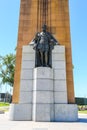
<point>81,100</point>
<point>5,97</point>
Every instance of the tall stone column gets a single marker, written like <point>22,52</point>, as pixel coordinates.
<point>55,14</point>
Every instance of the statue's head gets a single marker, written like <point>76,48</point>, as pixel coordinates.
<point>44,28</point>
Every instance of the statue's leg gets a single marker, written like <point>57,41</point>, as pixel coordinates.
<point>38,58</point>
<point>41,54</point>
<point>35,58</point>
<point>46,58</point>
<point>50,58</point>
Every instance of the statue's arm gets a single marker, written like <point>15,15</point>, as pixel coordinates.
<point>36,40</point>
<point>54,41</point>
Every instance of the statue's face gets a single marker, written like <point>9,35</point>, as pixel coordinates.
<point>44,29</point>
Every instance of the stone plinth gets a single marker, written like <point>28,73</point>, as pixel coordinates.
<point>43,112</point>
<point>66,112</point>
<point>43,90</point>
<point>21,112</point>
<point>43,94</point>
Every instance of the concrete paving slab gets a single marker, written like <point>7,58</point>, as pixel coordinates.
<point>6,124</point>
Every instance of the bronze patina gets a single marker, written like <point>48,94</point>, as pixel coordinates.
<point>44,43</point>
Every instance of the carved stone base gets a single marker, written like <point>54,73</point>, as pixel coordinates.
<point>43,90</point>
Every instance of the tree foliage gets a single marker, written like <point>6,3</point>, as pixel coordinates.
<point>7,66</point>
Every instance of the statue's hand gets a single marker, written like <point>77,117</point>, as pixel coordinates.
<point>56,43</point>
<point>34,46</point>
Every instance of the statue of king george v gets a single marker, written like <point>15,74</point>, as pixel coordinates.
<point>43,45</point>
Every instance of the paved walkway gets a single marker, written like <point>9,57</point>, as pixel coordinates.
<point>6,124</point>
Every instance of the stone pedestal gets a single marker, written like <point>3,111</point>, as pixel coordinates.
<point>66,112</point>
<point>43,90</point>
<point>21,112</point>
<point>43,94</point>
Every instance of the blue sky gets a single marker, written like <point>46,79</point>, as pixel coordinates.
<point>9,19</point>
<point>78,20</point>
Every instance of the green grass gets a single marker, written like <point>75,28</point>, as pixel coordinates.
<point>83,112</point>
<point>3,104</point>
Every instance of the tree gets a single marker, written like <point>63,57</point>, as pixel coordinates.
<point>7,67</point>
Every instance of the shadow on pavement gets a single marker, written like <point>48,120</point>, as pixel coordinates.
<point>83,120</point>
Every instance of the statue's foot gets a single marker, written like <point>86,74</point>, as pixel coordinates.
<point>46,65</point>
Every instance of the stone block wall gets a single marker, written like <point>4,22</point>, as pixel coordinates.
<point>43,90</point>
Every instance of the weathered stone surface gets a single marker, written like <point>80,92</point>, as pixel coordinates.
<point>28,64</point>
<point>42,97</point>
<point>28,56</point>
<point>26,85</point>
<point>43,84</point>
<point>21,112</point>
<point>60,74</point>
<point>43,112</point>
<point>43,73</point>
<point>59,64</point>
<point>60,97</point>
<point>26,74</point>
<point>59,49</point>
<point>60,85</point>
<point>25,97</point>
<point>28,49</point>
<point>58,56</point>
<point>66,112</point>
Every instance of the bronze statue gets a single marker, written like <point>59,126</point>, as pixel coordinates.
<point>43,44</point>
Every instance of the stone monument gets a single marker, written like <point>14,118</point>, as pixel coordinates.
<point>43,87</point>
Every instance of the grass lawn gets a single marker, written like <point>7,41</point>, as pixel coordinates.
<point>2,104</point>
<point>83,112</point>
